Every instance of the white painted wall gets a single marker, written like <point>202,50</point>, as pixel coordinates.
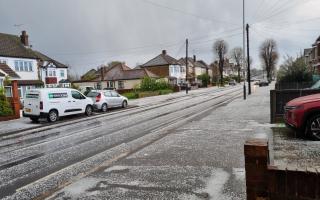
<point>24,75</point>
<point>178,72</point>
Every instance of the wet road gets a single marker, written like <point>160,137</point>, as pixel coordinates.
<point>201,158</point>
<point>34,163</point>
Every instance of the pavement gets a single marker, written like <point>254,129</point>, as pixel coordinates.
<point>201,159</point>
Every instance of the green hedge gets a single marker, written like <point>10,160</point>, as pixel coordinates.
<point>5,107</point>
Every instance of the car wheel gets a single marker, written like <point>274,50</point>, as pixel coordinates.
<point>124,104</point>
<point>34,119</point>
<point>88,111</point>
<point>104,107</point>
<point>313,127</point>
<point>53,116</point>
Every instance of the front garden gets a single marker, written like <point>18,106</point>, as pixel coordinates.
<point>149,87</point>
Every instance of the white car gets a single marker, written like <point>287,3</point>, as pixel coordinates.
<point>52,103</point>
<point>104,99</point>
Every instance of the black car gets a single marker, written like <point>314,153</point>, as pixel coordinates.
<point>263,83</point>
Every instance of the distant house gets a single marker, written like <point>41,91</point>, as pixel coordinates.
<point>195,68</point>
<point>166,67</point>
<point>33,68</point>
<point>89,75</point>
<point>117,76</point>
<point>52,72</point>
<point>312,55</point>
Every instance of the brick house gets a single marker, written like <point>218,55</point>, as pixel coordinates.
<point>116,76</point>
<point>29,65</point>
<point>166,67</point>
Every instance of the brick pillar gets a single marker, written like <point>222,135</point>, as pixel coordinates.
<point>15,99</point>
<point>256,164</point>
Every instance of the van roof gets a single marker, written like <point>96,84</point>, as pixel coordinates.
<point>50,89</point>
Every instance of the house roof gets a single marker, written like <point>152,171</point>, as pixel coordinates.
<point>133,74</point>
<point>201,63</point>
<point>2,75</point>
<point>182,61</point>
<point>7,70</point>
<point>43,57</point>
<point>160,60</point>
<point>11,46</point>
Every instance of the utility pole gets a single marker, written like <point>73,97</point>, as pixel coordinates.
<point>248,56</point>
<point>187,85</point>
<point>244,51</point>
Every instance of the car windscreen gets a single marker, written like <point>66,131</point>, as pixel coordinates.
<point>92,94</point>
<point>316,85</point>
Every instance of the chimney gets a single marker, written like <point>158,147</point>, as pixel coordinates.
<point>24,38</point>
<point>164,52</point>
<point>194,58</point>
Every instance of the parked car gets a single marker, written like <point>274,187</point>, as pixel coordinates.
<point>184,85</point>
<point>52,103</point>
<point>104,99</point>
<point>263,83</point>
<point>303,115</point>
<point>232,82</point>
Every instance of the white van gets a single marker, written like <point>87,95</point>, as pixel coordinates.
<point>52,103</point>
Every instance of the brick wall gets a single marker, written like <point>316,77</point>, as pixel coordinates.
<point>268,182</point>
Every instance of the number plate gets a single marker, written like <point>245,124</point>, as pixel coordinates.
<point>28,110</point>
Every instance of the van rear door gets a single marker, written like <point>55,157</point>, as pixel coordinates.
<point>32,102</point>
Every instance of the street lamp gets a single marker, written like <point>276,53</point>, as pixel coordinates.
<point>243,50</point>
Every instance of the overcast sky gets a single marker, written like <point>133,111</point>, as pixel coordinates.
<point>88,33</point>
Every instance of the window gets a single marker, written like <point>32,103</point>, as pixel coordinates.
<point>114,94</point>
<point>62,73</point>
<point>110,84</point>
<point>77,95</point>
<point>16,65</point>
<point>21,66</point>
<point>54,73</point>
<point>120,84</point>
<point>3,61</point>
<point>8,91</point>
<point>107,94</point>
<point>50,73</point>
<point>1,83</point>
<point>25,64</point>
<point>30,67</point>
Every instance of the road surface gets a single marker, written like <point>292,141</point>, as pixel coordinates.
<point>35,163</point>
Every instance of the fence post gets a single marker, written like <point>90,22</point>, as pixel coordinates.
<point>256,164</point>
<point>273,102</point>
<point>15,99</point>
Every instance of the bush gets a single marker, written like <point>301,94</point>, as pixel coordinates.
<point>131,95</point>
<point>294,70</point>
<point>205,79</point>
<point>151,84</point>
<point>5,107</point>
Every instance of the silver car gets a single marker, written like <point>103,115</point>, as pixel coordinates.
<point>104,99</point>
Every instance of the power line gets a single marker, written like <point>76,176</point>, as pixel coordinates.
<point>279,12</point>
<point>184,12</point>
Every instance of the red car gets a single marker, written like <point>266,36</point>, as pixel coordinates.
<point>303,114</point>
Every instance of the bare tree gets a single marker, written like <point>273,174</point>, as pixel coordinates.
<point>237,56</point>
<point>269,56</point>
<point>220,48</point>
